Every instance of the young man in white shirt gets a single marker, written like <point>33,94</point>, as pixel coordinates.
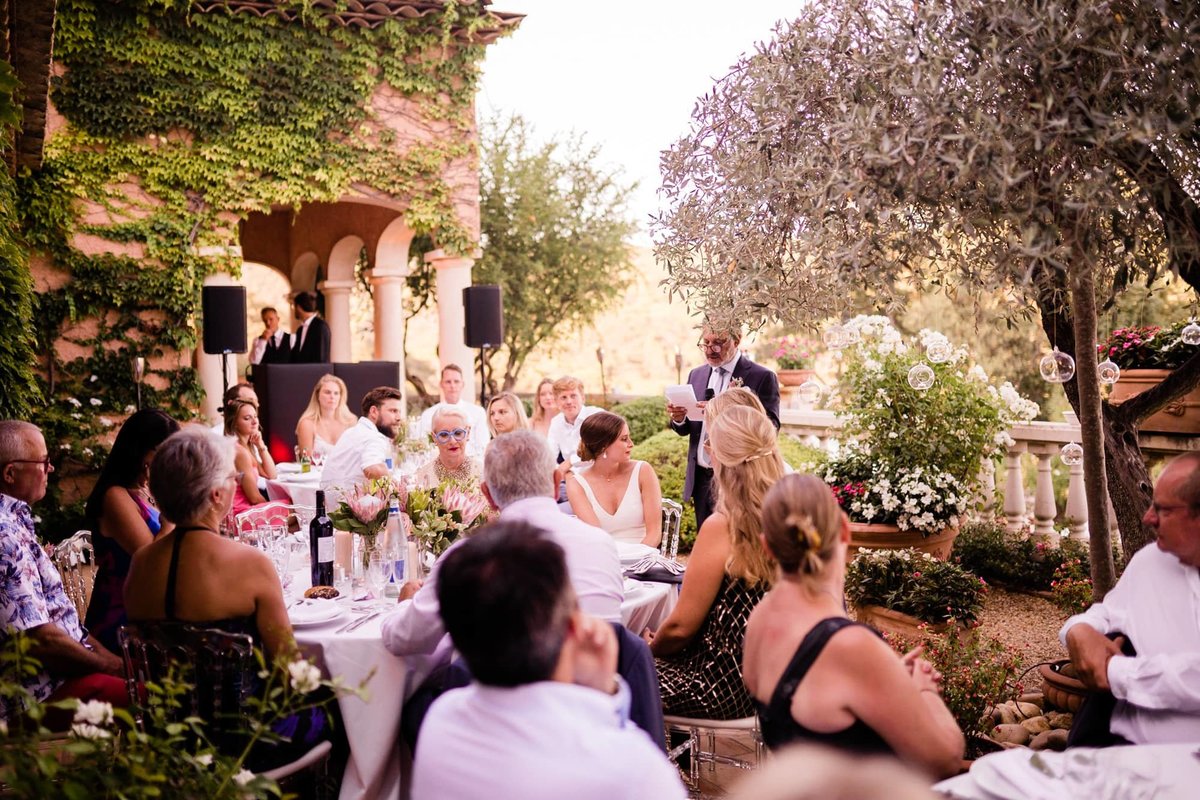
<point>547,714</point>
<point>564,428</point>
<point>452,386</point>
<point>362,451</point>
<point>273,345</point>
<point>1156,606</point>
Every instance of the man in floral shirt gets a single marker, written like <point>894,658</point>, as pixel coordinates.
<point>31,591</point>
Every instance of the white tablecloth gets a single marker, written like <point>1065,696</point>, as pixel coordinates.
<point>373,726</point>
<point>299,487</point>
<point>1123,772</point>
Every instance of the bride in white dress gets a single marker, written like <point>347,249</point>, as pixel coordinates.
<point>615,493</point>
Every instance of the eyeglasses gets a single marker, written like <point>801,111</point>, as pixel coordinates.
<point>44,462</point>
<point>712,347</point>
<point>1159,508</point>
<point>458,434</point>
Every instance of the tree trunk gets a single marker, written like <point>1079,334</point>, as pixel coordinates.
<point>1095,478</point>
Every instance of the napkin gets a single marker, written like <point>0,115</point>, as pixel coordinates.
<point>654,567</point>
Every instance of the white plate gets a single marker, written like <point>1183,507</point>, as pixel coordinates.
<point>288,468</point>
<point>315,612</point>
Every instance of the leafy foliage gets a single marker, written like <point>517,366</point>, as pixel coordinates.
<point>666,452</point>
<point>988,549</point>
<point>1147,347</point>
<point>554,227</point>
<point>646,416</point>
<point>916,584</point>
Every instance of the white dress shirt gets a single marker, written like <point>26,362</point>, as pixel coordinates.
<point>544,740</point>
<point>361,446</point>
<point>564,436</point>
<point>260,346</point>
<point>476,418</point>
<point>415,626</point>
<point>1156,604</point>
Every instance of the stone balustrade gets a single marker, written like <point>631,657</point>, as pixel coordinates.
<point>1041,441</point>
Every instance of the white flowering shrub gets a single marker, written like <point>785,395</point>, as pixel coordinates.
<point>916,455</point>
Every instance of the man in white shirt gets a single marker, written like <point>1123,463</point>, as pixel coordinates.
<point>518,480</point>
<point>546,717</point>
<point>1156,605</point>
<point>564,428</point>
<point>362,452</point>
<point>273,345</point>
<point>452,386</point>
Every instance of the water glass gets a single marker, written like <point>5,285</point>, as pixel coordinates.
<point>379,571</point>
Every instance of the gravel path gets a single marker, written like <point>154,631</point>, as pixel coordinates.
<point>1024,623</point>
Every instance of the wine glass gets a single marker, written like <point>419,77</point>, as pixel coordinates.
<point>318,458</point>
<point>379,571</point>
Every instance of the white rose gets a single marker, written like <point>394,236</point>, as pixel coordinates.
<point>85,731</point>
<point>243,777</point>
<point>94,712</point>
<point>305,676</point>
<point>205,760</point>
<point>96,401</point>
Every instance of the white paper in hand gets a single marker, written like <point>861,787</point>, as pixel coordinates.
<point>682,395</point>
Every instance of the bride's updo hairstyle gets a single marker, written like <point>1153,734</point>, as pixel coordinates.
<point>801,521</point>
<point>597,432</point>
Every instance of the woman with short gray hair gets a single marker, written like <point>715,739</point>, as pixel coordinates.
<point>450,431</point>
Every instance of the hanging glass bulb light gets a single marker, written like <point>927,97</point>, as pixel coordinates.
<point>1108,371</point>
<point>1071,454</point>
<point>810,391</point>
<point>920,377</point>
<point>850,336</point>
<point>1190,334</point>
<point>1057,367</point>
<point>834,337</point>
<point>938,352</point>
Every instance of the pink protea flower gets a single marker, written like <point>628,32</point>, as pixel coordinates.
<point>366,507</point>
<point>468,505</point>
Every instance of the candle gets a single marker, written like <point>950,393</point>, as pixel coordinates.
<point>343,549</point>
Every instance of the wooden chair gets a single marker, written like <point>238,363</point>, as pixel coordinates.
<point>672,519</point>
<point>76,563</point>
<point>218,666</point>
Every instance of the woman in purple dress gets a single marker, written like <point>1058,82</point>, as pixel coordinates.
<point>123,517</point>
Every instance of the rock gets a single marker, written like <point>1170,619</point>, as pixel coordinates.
<point>1011,734</point>
<point>1010,745</point>
<point>1041,741</point>
<point>1027,710</point>
<point>1056,740</point>
<point>1005,715</point>
<point>1037,698</point>
<point>1035,725</point>
<point>1060,720</point>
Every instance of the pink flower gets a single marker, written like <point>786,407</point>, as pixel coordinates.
<point>365,507</point>
<point>468,505</point>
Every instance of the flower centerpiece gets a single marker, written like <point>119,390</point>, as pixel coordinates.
<point>444,513</point>
<point>1146,355</point>
<point>914,454</point>
<point>363,511</point>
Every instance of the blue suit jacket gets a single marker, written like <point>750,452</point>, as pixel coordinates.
<point>754,377</point>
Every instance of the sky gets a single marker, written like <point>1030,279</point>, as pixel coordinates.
<point>624,73</point>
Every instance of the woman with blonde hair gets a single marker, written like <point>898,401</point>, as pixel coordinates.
<point>326,418</point>
<point>545,407</point>
<point>505,414</point>
<point>818,677</point>
<point>700,645</point>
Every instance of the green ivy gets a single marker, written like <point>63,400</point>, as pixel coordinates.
<point>181,123</point>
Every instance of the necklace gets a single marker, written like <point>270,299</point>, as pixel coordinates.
<point>460,474</point>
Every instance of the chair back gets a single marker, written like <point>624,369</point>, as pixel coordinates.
<point>218,667</point>
<point>274,513</point>
<point>76,563</point>
<point>672,518</point>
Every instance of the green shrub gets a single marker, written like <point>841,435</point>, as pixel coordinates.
<point>798,455</point>
<point>646,417</point>
<point>989,550</point>
<point>666,451</point>
<point>915,583</point>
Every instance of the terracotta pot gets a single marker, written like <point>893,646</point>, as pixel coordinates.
<point>1060,687</point>
<point>885,620</point>
<point>794,377</point>
<point>1178,416</point>
<point>890,537</point>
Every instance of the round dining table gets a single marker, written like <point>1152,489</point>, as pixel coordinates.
<point>348,645</point>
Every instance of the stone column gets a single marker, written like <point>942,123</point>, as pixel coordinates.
<point>337,314</point>
<point>387,288</point>
<point>208,367</point>
<point>454,275</point>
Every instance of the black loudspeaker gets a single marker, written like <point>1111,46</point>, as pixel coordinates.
<point>485,316</point>
<point>224,311</point>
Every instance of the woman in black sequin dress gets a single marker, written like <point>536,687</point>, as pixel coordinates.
<point>699,647</point>
<point>817,677</point>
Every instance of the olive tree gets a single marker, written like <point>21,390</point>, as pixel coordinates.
<point>1048,148</point>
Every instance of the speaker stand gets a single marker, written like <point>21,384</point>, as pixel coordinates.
<point>224,374</point>
<point>483,376</point>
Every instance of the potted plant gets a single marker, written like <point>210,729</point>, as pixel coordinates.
<point>1146,355</point>
<point>919,421</point>
<point>898,590</point>
<point>795,358</point>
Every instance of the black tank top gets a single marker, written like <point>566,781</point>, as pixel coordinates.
<point>780,728</point>
<point>246,624</point>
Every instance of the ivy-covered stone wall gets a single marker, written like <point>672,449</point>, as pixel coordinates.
<point>168,126</point>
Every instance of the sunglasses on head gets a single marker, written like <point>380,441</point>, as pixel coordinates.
<point>458,434</point>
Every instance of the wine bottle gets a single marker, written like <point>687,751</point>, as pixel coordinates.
<point>320,544</point>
